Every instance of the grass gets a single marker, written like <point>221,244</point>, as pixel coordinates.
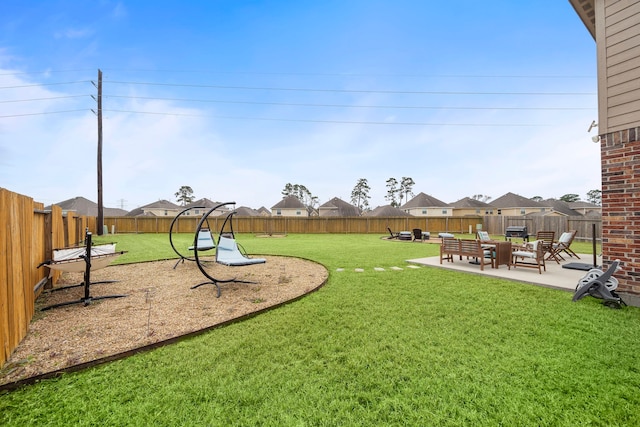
<point>410,347</point>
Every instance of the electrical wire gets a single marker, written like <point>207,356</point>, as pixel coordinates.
<point>42,113</point>
<point>44,99</point>
<point>355,90</point>
<point>293,104</point>
<point>325,121</point>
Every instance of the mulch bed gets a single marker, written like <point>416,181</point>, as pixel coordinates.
<point>160,307</point>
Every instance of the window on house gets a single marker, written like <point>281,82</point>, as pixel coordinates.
<point>477,211</point>
<point>196,212</point>
<point>499,211</point>
<point>278,212</point>
<point>444,211</point>
<point>522,211</point>
<point>166,213</point>
<point>298,213</point>
<point>424,211</point>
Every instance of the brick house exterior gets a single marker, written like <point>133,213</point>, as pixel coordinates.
<point>613,24</point>
<point>621,205</point>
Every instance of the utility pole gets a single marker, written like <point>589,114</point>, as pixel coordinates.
<point>100,219</point>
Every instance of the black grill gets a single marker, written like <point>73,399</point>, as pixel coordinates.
<point>517,231</point>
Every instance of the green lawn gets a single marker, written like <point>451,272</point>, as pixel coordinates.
<point>411,347</point>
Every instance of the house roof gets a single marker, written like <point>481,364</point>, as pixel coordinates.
<point>264,211</point>
<point>580,204</point>
<point>82,206</point>
<point>208,204</point>
<point>560,206</point>
<point>423,200</point>
<point>512,200</point>
<point>338,207</point>
<point>246,211</point>
<point>468,202</point>
<point>587,13</point>
<point>387,210</point>
<point>289,202</point>
<point>160,204</point>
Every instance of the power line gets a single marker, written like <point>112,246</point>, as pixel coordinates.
<point>293,104</point>
<point>42,113</point>
<point>43,99</point>
<point>328,121</point>
<point>45,84</point>
<point>355,90</point>
<point>293,73</point>
<point>287,73</point>
<point>21,73</point>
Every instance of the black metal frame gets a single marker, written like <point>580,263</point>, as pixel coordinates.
<point>175,219</point>
<point>87,299</point>
<point>212,280</point>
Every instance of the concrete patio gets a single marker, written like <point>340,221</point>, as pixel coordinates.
<point>555,277</point>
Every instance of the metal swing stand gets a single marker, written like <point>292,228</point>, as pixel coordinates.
<point>87,299</point>
<point>212,280</point>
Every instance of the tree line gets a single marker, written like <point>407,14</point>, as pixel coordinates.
<point>398,193</point>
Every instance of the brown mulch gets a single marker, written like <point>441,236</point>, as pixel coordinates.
<point>160,306</point>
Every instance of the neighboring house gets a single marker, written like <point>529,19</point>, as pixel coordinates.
<point>207,205</point>
<point>426,205</point>
<point>289,206</point>
<point>245,211</point>
<point>86,207</point>
<point>560,207</point>
<point>586,208</point>
<point>513,205</point>
<point>470,207</point>
<point>264,211</point>
<point>159,208</point>
<point>338,207</point>
<point>388,211</point>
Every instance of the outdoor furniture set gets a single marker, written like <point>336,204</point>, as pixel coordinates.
<point>483,250</point>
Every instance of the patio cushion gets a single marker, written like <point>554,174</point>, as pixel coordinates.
<point>565,237</point>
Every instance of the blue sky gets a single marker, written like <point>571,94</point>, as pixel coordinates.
<point>238,98</point>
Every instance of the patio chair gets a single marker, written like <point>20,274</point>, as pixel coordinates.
<point>563,245</point>
<point>483,236</point>
<point>392,234</point>
<point>530,255</point>
<point>417,234</point>
<point>547,238</point>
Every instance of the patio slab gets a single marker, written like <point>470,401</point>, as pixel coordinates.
<point>555,277</point>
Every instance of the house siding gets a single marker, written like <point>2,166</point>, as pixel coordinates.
<point>619,65</point>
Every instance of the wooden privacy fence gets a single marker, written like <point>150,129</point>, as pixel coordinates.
<point>363,225</point>
<point>559,224</point>
<point>305,225</point>
<point>28,235</point>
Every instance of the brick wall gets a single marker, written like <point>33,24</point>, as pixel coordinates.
<point>621,205</point>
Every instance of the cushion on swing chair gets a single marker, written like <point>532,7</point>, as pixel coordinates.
<point>227,253</point>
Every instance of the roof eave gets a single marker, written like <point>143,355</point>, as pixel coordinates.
<point>586,11</point>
